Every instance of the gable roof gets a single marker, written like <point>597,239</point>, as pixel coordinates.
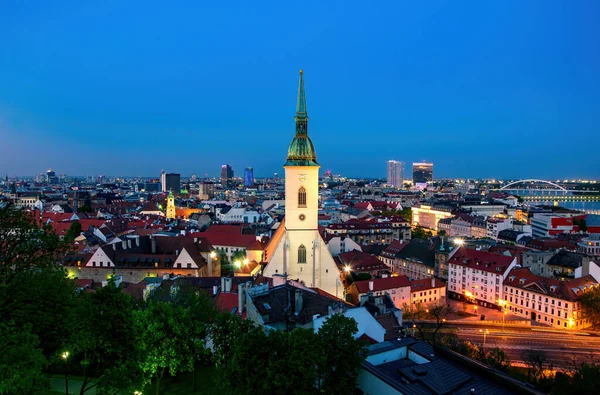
<point>382,284</point>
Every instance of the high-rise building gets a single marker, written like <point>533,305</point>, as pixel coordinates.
<point>226,175</point>
<point>422,173</point>
<point>170,182</point>
<point>395,173</point>
<point>248,177</point>
<point>51,177</point>
<point>206,190</point>
<point>300,252</point>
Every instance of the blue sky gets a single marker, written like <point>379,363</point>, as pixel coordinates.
<point>483,89</point>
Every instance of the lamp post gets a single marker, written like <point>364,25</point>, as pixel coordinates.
<point>475,309</point>
<point>485,333</point>
<point>65,357</point>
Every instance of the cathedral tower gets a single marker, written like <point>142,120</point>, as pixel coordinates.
<point>171,205</point>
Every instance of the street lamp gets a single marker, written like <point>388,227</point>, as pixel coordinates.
<point>65,356</point>
<point>503,315</point>
<point>475,309</point>
<point>485,333</point>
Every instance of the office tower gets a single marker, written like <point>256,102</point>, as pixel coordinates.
<point>248,177</point>
<point>170,182</point>
<point>395,173</point>
<point>226,175</point>
<point>51,177</point>
<point>422,173</point>
<point>206,190</point>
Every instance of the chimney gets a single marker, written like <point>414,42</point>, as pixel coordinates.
<point>215,289</point>
<point>124,244</point>
<point>153,240</point>
<point>137,241</point>
<point>114,246</point>
<point>241,295</point>
<point>195,239</point>
<point>228,282</point>
<point>371,285</point>
<point>432,282</point>
<point>222,284</point>
<point>177,252</point>
<point>128,243</point>
<point>298,302</point>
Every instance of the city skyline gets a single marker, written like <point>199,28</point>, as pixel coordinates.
<point>425,88</point>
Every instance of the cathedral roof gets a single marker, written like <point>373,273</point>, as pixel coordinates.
<point>301,151</point>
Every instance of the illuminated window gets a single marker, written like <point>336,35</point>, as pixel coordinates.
<point>302,254</point>
<point>302,197</point>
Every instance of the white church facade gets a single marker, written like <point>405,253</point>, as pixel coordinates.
<point>297,249</point>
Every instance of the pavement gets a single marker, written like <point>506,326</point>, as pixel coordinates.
<point>561,348</point>
<point>476,311</point>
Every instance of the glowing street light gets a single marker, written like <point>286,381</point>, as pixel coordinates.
<point>237,264</point>
<point>347,268</point>
<point>459,242</point>
<point>65,356</point>
<point>485,333</point>
<point>213,255</point>
<point>246,261</point>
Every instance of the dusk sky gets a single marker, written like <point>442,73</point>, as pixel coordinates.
<point>505,89</point>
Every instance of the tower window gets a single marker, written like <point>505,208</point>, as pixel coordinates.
<point>302,254</point>
<point>301,197</point>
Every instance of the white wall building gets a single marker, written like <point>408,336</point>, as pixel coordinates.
<point>477,276</point>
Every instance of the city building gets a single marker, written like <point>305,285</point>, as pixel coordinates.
<point>395,173</point>
<point>226,175</point>
<point>248,177</point>
<point>397,287</point>
<point>590,245</point>
<point>206,190</point>
<point>544,225</point>
<point>496,225</point>
<point>138,257</point>
<point>419,259</point>
<point>170,182</point>
<point>297,249</point>
<point>422,173</point>
<point>477,276</point>
<point>51,177</point>
<point>371,232</point>
<point>408,366</point>
<point>545,300</point>
<point>428,216</point>
<point>427,291</point>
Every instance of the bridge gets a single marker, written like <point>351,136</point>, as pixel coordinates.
<point>542,191</point>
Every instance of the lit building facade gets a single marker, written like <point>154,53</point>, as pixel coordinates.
<point>171,206</point>
<point>395,173</point>
<point>428,216</point>
<point>422,173</point>
<point>297,250</point>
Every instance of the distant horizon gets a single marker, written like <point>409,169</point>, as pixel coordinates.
<point>481,89</point>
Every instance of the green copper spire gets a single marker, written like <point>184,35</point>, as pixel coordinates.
<point>301,151</point>
<point>301,103</point>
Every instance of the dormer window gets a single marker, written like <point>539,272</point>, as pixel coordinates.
<point>301,197</point>
<point>552,288</point>
<point>522,281</point>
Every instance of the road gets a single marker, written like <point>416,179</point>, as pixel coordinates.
<point>560,347</point>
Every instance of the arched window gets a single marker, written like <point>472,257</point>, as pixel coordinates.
<point>301,197</point>
<point>302,254</point>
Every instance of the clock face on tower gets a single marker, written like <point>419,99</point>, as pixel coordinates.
<point>302,177</point>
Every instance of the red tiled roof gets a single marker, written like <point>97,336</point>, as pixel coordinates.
<point>382,284</point>
<point>425,284</point>
<point>567,290</point>
<point>228,301</point>
<point>229,239</point>
<point>360,261</point>
<point>481,260</point>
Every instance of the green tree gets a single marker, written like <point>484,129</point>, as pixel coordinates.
<point>167,339</point>
<point>21,361</point>
<point>26,245</point>
<point>535,361</point>
<point>415,313</point>
<point>590,303</point>
<point>103,338</point>
<point>74,231</point>
<point>342,357</point>
<point>498,359</point>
